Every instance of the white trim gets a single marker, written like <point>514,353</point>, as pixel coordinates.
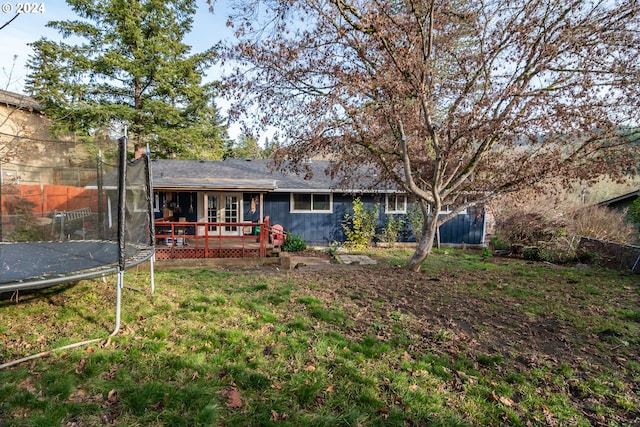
<point>311,210</point>
<point>305,190</point>
<point>447,210</point>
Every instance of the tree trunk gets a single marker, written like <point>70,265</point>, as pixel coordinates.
<point>426,243</point>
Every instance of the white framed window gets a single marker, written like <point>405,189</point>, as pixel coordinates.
<point>312,202</point>
<point>448,208</point>
<point>395,203</point>
<point>444,210</point>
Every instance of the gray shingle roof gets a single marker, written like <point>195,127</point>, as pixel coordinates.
<point>628,197</point>
<point>19,101</point>
<point>242,174</point>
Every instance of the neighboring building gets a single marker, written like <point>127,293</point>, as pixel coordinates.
<point>622,202</point>
<point>28,152</point>
<point>37,169</point>
<point>314,208</point>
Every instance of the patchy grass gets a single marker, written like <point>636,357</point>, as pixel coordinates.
<point>464,342</point>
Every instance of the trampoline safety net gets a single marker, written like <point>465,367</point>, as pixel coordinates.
<point>60,223</point>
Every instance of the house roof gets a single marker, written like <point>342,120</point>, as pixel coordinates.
<point>628,197</point>
<point>246,175</point>
<point>20,101</point>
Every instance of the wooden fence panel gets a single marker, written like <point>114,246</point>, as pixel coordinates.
<point>48,198</point>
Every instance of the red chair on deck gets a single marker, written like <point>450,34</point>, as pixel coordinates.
<point>277,235</point>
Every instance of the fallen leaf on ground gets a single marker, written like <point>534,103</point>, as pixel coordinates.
<point>81,366</point>
<point>112,398</point>
<point>275,417</point>
<point>506,401</point>
<point>233,398</point>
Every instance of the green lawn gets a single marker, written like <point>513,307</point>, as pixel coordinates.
<point>464,342</point>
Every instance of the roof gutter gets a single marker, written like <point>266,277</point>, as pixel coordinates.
<point>337,190</point>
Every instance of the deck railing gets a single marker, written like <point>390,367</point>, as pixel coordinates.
<point>211,239</point>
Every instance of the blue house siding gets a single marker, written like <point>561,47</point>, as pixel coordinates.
<point>322,229</point>
<point>188,181</point>
<point>317,229</point>
<point>463,228</point>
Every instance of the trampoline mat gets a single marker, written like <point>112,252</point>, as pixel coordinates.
<point>38,261</point>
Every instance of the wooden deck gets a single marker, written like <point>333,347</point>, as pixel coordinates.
<point>194,240</point>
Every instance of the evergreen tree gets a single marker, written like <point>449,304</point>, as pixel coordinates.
<point>246,147</point>
<point>123,62</point>
<point>270,147</point>
<point>633,214</point>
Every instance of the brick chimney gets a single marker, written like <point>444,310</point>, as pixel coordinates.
<point>139,151</point>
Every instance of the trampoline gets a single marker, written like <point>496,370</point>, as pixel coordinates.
<point>105,224</point>
<point>99,226</point>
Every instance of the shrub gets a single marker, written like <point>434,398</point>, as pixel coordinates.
<point>528,228</point>
<point>416,220</point>
<point>360,228</point>
<point>294,243</point>
<point>536,227</point>
<point>538,253</point>
<point>26,228</point>
<point>392,229</point>
<point>499,244</point>
<point>633,214</point>
<point>602,223</point>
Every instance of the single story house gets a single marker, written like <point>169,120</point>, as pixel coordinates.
<point>238,193</point>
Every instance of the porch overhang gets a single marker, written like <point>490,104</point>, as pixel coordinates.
<point>215,184</point>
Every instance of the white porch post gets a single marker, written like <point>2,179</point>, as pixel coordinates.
<point>261,210</point>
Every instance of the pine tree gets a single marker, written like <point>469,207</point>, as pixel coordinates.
<point>246,147</point>
<point>123,62</point>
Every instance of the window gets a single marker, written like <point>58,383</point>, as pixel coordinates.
<point>448,208</point>
<point>396,203</point>
<point>308,202</point>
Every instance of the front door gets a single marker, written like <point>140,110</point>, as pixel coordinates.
<point>224,207</point>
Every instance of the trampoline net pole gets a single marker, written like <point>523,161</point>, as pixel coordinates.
<point>152,232</point>
<point>119,286</point>
<point>122,202</point>
<point>122,215</point>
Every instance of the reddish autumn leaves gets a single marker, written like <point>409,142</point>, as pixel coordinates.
<point>455,102</point>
